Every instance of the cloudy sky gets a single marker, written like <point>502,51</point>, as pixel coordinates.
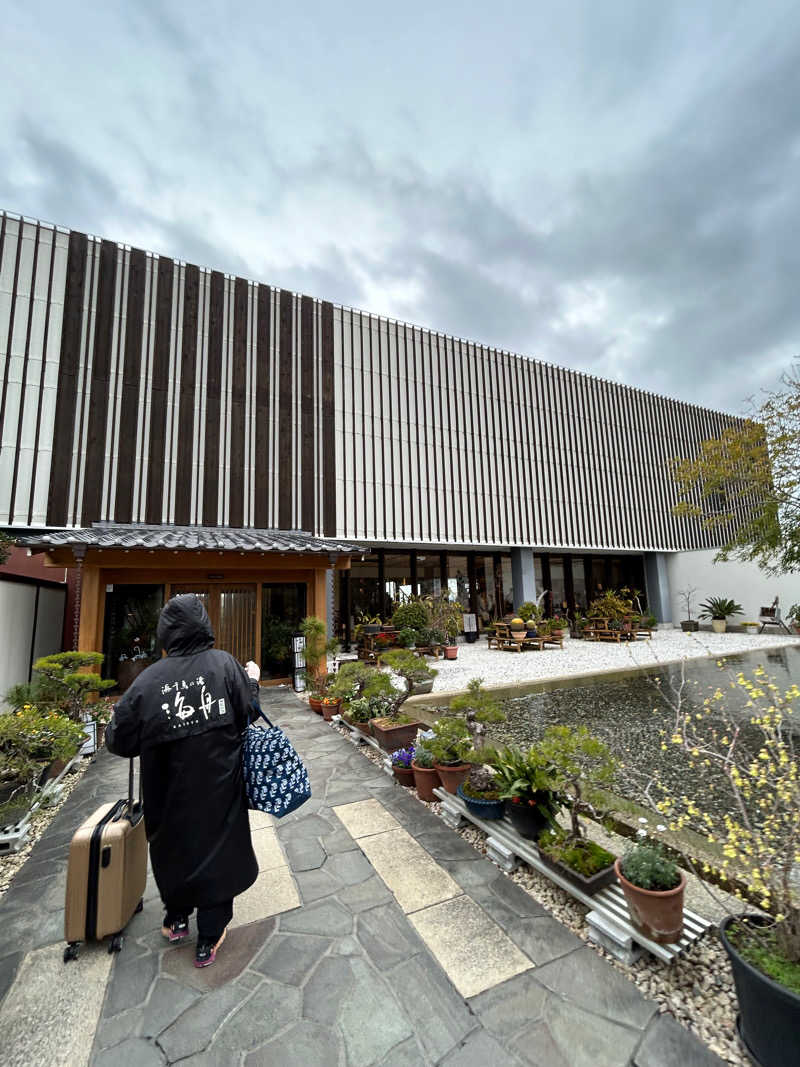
<point>613,187</point>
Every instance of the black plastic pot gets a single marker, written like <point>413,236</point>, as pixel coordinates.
<point>769,1013</point>
<point>484,809</point>
<point>527,820</point>
<point>690,626</point>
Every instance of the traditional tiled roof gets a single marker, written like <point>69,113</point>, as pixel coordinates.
<point>188,538</point>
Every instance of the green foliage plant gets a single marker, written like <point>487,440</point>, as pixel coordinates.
<point>423,756</point>
<point>528,611</point>
<point>610,605</point>
<point>479,709</point>
<point>6,544</point>
<point>412,669</point>
<point>408,637</point>
<point>68,682</point>
<point>318,648</point>
<point>31,738</point>
<point>355,679</point>
<point>446,616</point>
<point>523,776</point>
<point>481,783</point>
<point>583,770</point>
<point>451,744</point>
<point>585,857</point>
<point>412,614</point>
<point>645,865</point>
<point>720,607</point>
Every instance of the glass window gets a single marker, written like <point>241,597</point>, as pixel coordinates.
<point>396,581</point>
<point>457,580</point>
<point>283,606</point>
<point>429,574</point>
<point>579,584</point>
<point>366,596</point>
<point>558,585</point>
<point>129,641</point>
<point>485,587</point>
<point>506,585</point>
<point>597,583</point>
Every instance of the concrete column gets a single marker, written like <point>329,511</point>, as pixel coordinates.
<point>523,575</point>
<point>659,600</point>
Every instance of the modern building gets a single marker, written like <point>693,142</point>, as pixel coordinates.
<point>167,427</point>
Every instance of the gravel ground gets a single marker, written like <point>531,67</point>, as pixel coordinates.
<point>697,988</point>
<point>11,862</point>
<point>578,657</point>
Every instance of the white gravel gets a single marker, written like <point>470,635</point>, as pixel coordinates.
<point>579,657</point>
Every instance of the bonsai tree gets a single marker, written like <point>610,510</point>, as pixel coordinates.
<point>720,607</point>
<point>479,708</point>
<point>446,616</point>
<point>411,669</point>
<point>610,605</point>
<point>318,647</point>
<point>582,768</point>
<point>451,743</point>
<point>355,680</point>
<point>6,544</point>
<point>64,682</point>
<point>412,614</point>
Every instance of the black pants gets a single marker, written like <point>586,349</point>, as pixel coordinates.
<point>210,921</point>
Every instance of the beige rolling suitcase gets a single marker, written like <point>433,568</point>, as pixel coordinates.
<point>106,874</point>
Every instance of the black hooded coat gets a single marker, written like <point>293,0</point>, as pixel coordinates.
<point>185,716</point>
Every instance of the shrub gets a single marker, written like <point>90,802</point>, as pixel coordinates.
<point>451,743</point>
<point>646,866</point>
<point>61,684</point>
<point>720,607</point>
<point>582,767</point>
<point>478,708</point>
<point>355,679</point>
<point>585,857</point>
<point>31,738</point>
<point>407,637</point>
<point>318,647</point>
<point>529,610</point>
<point>412,615</point>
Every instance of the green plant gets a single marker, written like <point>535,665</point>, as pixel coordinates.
<point>645,865</point>
<point>793,615</point>
<point>423,757</point>
<point>481,783</point>
<point>362,709</point>
<point>529,610</point>
<point>451,742</point>
<point>585,857</point>
<point>355,680</point>
<point>523,776</point>
<point>412,669</point>
<point>650,621</point>
<point>68,684</point>
<point>720,607</point>
<point>6,544</point>
<point>582,768</point>
<point>318,647</point>
<point>478,708</point>
<point>407,637</point>
<point>31,738</point>
<point>412,614</point>
<point>610,605</point>
<point>446,616</point>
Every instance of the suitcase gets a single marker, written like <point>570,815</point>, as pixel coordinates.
<point>106,874</point>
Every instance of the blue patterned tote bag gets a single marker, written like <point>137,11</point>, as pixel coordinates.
<point>275,778</point>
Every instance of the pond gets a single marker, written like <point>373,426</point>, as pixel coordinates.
<point>629,715</point>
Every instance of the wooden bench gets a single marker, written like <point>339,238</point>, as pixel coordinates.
<point>608,918</point>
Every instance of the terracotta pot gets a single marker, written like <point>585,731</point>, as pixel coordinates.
<point>452,775</point>
<point>451,651</point>
<point>315,705</point>
<point>391,737</point>
<point>329,710</point>
<point>364,727</point>
<point>426,779</point>
<point>404,775</point>
<point>658,914</point>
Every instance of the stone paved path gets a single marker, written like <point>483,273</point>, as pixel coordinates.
<point>374,935</point>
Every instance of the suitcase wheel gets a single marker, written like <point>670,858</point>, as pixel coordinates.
<point>139,906</point>
<point>116,943</point>
<point>71,951</point>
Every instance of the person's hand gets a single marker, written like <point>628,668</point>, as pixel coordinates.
<point>253,670</point>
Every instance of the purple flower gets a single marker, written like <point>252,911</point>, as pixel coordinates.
<point>403,756</point>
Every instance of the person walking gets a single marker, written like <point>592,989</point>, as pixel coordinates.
<point>185,716</point>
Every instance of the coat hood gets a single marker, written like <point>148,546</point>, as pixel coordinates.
<point>184,627</point>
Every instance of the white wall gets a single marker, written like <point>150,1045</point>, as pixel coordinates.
<point>17,607</point>
<point>745,583</point>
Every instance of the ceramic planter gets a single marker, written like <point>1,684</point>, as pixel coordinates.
<point>329,710</point>
<point>391,736</point>
<point>658,914</point>
<point>452,774</point>
<point>404,775</point>
<point>690,626</point>
<point>719,626</point>
<point>364,727</point>
<point>769,1013</point>
<point>526,819</point>
<point>484,809</point>
<point>422,687</point>
<point>451,651</point>
<point>590,885</point>
<point>426,779</point>
<point>372,628</point>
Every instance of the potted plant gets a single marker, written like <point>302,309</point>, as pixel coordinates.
<point>518,628</point>
<point>450,747</point>
<point>35,744</point>
<point>749,627</point>
<point>361,711</point>
<point>371,624</point>
<point>446,617</point>
<point>317,649</point>
<point>719,609</point>
<point>479,709</point>
<point>653,885</point>
<point>394,728</point>
<point>412,614</point>
<point>525,784</point>
<point>759,837</point>
<point>581,769</point>
<point>688,625</point>
<point>407,637</point>
<point>558,625</point>
<point>480,793</point>
<point>426,777</point>
<point>530,613</point>
<point>793,616</point>
<point>331,705</point>
<point>402,761</point>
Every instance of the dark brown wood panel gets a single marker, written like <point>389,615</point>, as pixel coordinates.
<point>263,487</point>
<point>132,368</point>
<point>216,315</point>
<point>238,402</point>
<point>160,391</point>
<point>286,470</point>
<point>100,386</point>
<point>307,427</point>
<point>24,375</point>
<point>183,472</point>
<point>66,402</point>
<point>328,425</point>
<point>42,373</point>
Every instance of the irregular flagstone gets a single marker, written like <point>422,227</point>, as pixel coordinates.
<point>133,1052</point>
<point>270,1008</point>
<point>510,1006</point>
<point>326,917</point>
<point>314,885</point>
<point>193,1031</point>
<point>416,880</point>
<point>305,854</point>
<point>349,867</point>
<point>52,1008</point>
<point>443,844</point>
<point>272,893</point>
<point>667,1044</point>
<point>307,1043</point>
<point>585,979</point>
<point>568,1036</point>
<point>242,946</point>
<point>366,817</point>
<point>440,1018</point>
<point>387,937</point>
<point>132,978</point>
<point>473,950</point>
<point>365,895</point>
<point>479,1050</point>
<point>290,958</point>
<point>114,1031</point>
<point>9,965</point>
<point>327,988</point>
<point>370,1020</point>
<point>543,939</point>
<point>167,1001</point>
<point>407,1054</point>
